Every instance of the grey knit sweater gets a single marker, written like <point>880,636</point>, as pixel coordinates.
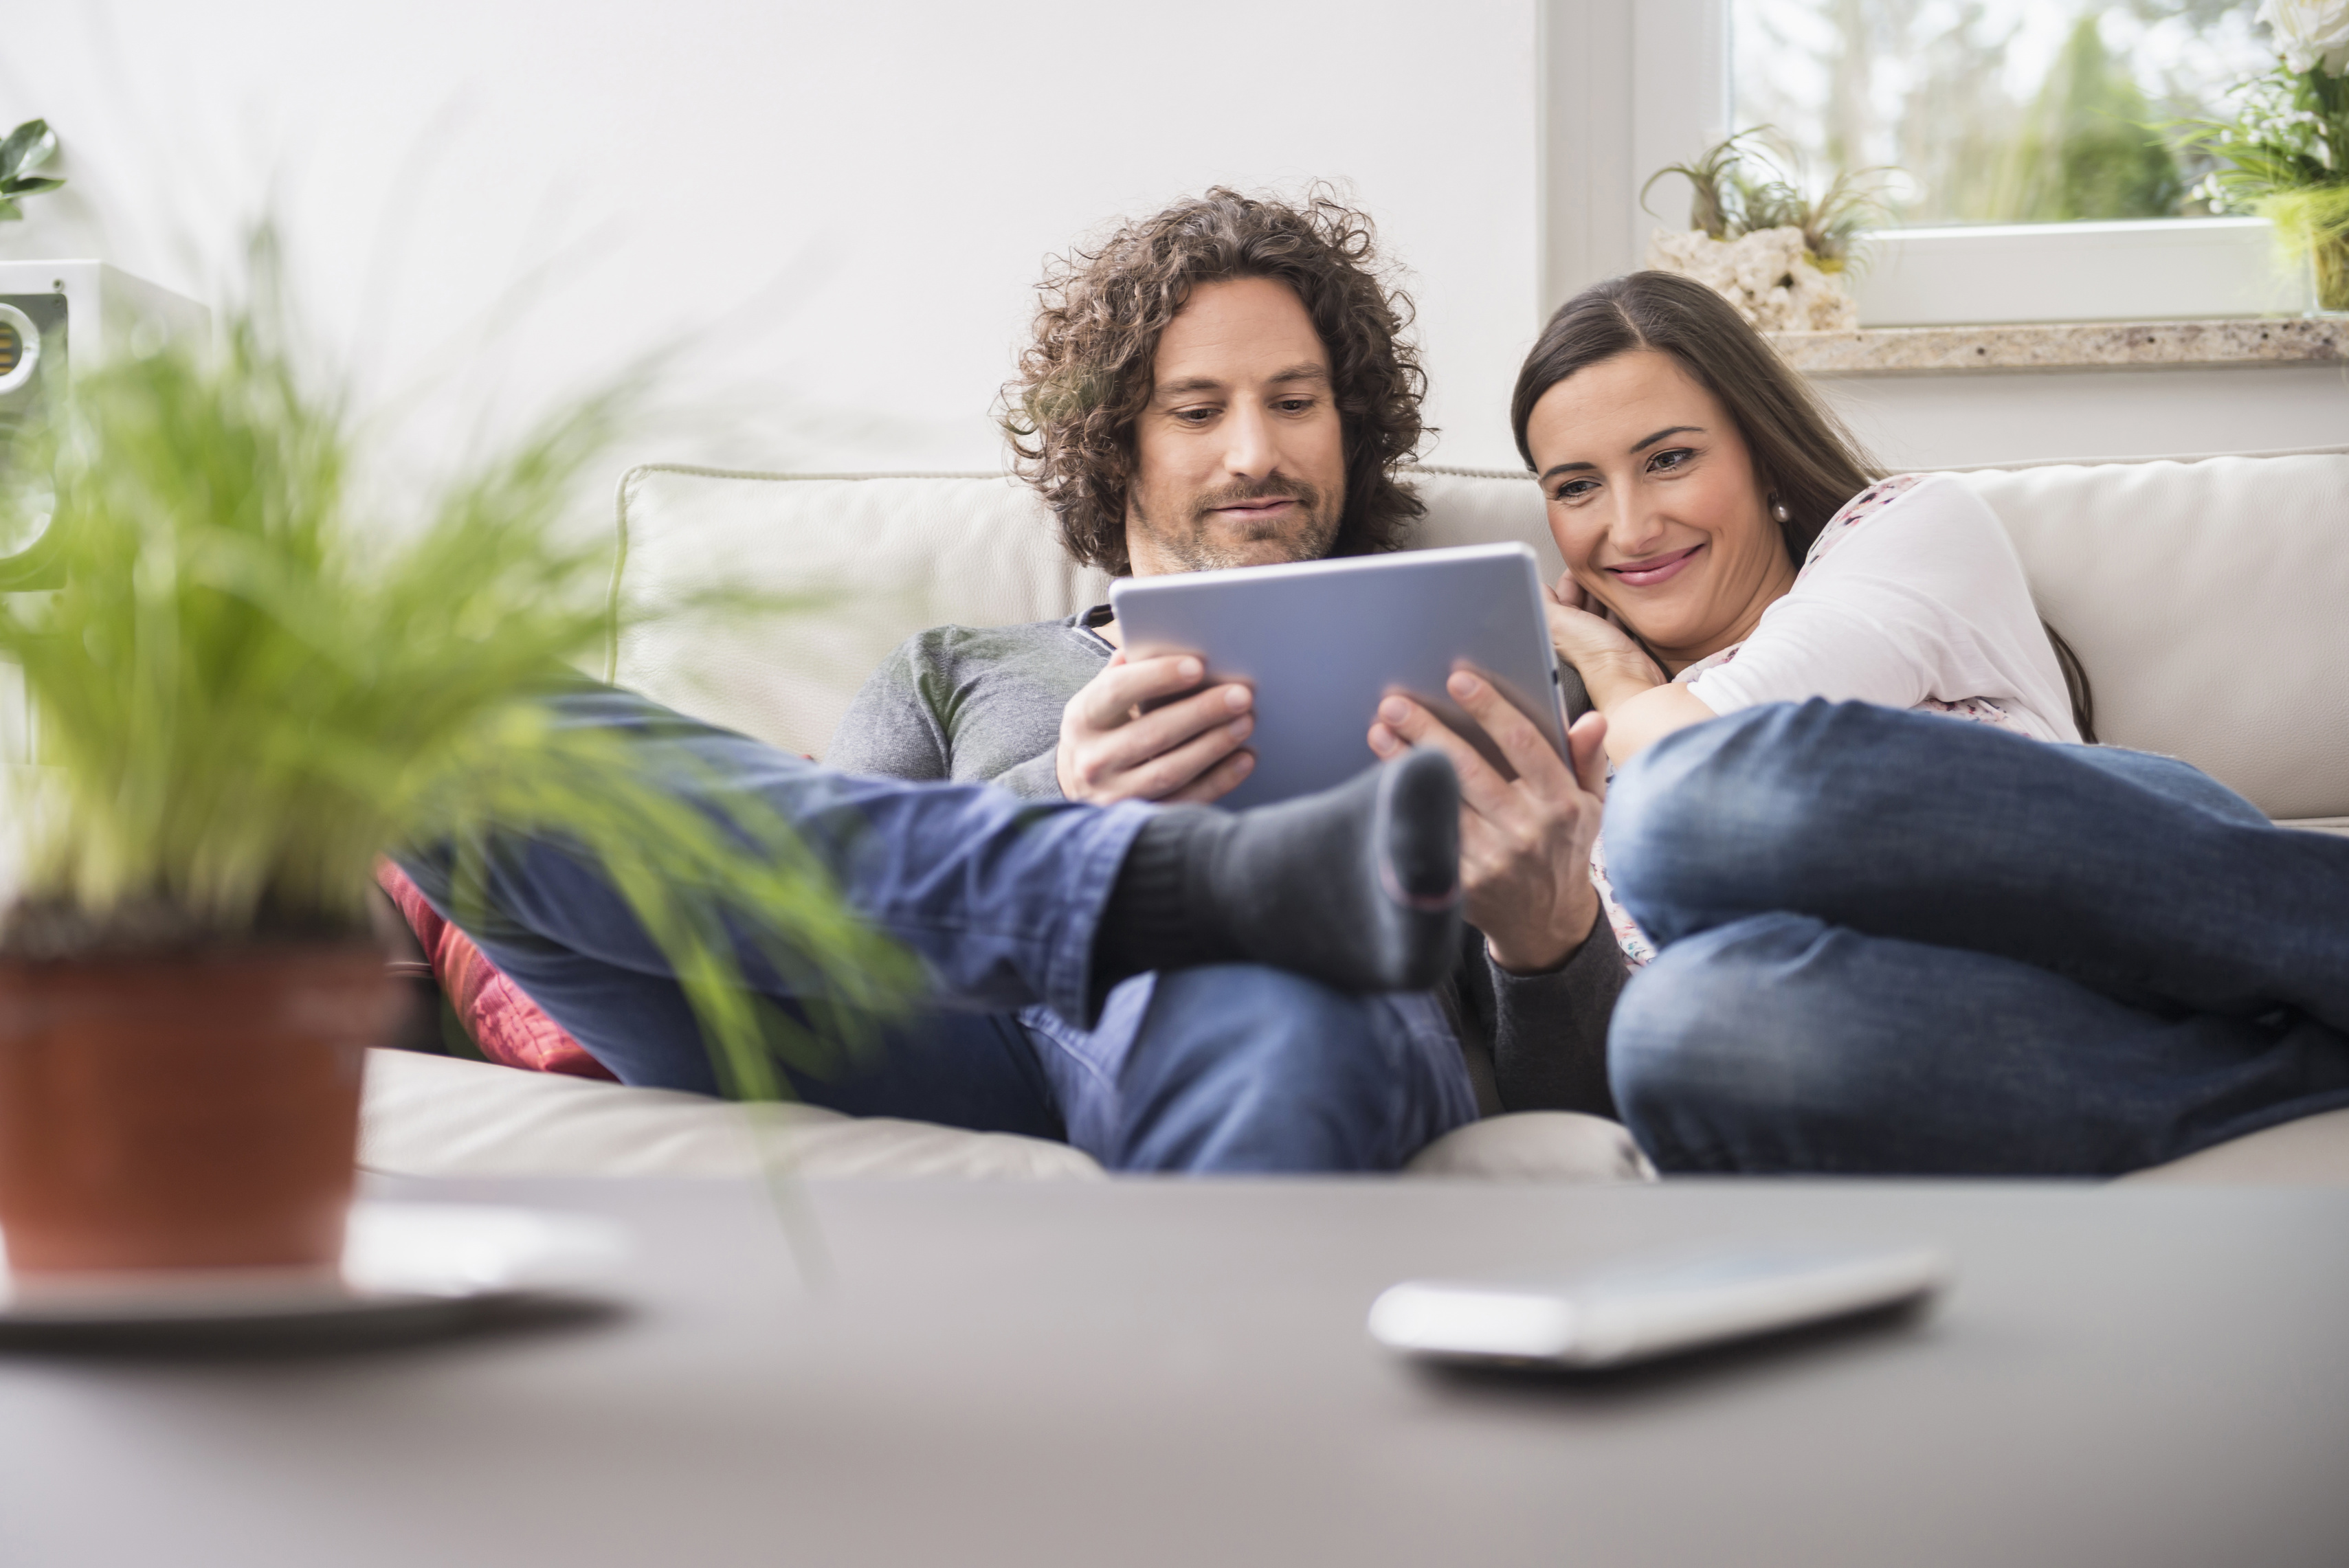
<point>981,705</point>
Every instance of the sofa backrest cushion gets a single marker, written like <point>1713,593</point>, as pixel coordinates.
<point>2207,599</point>
<point>2209,602</point>
<point>867,562</point>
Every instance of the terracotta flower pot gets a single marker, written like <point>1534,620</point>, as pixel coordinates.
<point>190,1111</point>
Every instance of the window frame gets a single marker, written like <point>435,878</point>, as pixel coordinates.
<point>1627,87</point>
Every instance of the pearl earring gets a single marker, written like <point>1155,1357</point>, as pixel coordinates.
<point>1779,510</point>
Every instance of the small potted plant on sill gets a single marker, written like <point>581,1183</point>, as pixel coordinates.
<point>2285,155</point>
<point>252,683</point>
<point>1768,246</point>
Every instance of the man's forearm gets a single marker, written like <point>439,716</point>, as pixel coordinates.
<point>1549,1030</point>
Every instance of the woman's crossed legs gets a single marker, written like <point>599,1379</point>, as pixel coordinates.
<point>1894,941</point>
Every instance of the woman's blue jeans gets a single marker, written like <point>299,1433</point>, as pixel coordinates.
<point>1900,942</point>
<point>1234,1067</point>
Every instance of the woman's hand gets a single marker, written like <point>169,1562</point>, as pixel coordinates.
<point>1614,668</point>
<point>1641,705</point>
<point>1525,842</point>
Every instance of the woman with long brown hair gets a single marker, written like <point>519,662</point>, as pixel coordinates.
<point>1890,908</point>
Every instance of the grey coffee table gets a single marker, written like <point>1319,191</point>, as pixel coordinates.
<point>1159,1373</point>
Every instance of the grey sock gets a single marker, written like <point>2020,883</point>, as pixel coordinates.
<point>1358,887</point>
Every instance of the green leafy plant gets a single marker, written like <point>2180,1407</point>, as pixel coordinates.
<point>1753,182</point>
<point>255,678</point>
<point>2285,157</point>
<point>28,146</point>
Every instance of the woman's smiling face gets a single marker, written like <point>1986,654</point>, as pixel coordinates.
<point>1654,503</point>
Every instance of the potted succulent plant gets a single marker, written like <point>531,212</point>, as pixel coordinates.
<point>254,680</point>
<point>1767,245</point>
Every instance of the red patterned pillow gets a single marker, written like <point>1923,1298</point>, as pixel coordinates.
<point>507,1025</point>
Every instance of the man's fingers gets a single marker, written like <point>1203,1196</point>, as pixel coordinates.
<point>1108,699</point>
<point>1483,850</point>
<point>1528,749</point>
<point>1586,743</point>
<point>1162,729</point>
<point>1163,772</point>
<point>1403,720</point>
<point>1216,782</point>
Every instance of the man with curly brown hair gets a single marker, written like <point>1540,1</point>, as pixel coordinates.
<point>1225,383</point>
<point>1228,384</point>
<point>1094,378</point>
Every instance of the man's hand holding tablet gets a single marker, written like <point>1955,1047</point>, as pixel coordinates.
<point>1115,746</point>
<point>1525,842</point>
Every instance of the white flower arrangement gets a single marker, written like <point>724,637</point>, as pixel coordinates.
<point>2284,153</point>
<point>2311,34</point>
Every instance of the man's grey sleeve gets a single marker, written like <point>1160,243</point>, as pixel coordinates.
<point>1038,778</point>
<point>1549,1031</point>
<point>889,730</point>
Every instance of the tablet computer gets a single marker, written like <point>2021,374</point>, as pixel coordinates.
<point>1321,642</point>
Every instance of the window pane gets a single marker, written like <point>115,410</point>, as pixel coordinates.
<point>1996,111</point>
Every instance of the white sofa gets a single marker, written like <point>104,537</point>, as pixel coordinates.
<point>2208,599</point>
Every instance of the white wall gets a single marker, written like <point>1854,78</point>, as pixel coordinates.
<point>848,204</point>
<point>842,208</point>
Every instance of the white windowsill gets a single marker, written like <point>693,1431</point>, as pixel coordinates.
<point>2146,270</point>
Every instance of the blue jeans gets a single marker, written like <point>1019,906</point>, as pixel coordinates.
<point>1235,1067</point>
<point>1899,943</point>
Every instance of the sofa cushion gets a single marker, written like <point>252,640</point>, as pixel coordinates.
<point>2210,602</point>
<point>504,1025</point>
<point>2172,579</point>
<point>871,561</point>
<point>2312,1152</point>
<point>1535,1146</point>
<point>867,562</point>
<point>441,1116</point>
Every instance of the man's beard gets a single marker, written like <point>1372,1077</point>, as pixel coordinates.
<point>1306,534</point>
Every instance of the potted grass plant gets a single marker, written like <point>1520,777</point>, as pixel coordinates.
<point>255,679</point>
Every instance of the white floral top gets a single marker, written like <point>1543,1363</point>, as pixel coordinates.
<point>1925,613</point>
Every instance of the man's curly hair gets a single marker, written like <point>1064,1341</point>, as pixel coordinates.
<point>1086,378</point>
